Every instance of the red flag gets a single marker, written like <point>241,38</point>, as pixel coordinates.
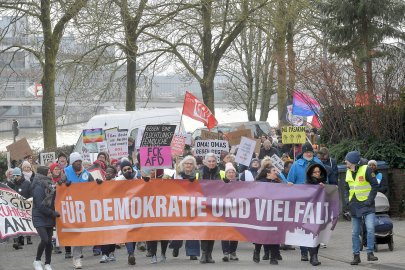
<point>315,122</point>
<point>197,110</point>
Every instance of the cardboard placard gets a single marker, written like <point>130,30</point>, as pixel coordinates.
<point>158,135</point>
<point>19,150</point>
<point>245,151</point>
<point>293,135</point>
<point>208,135</point>
<point>47,158</point>
<point>117,143</point>
<point>234,137</point>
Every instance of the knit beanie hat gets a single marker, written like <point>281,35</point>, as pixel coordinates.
<point>52,166</point>
<point>353,157</point>
<point>307,147</point>
<point>26,164</point>
<point>17,171</point>
<point>229,166</point>
<point>75,156</point>
<point>125,163</point>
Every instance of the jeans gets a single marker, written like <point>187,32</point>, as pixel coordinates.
<point>356,229</point>
<point>130,247</point>
<point>229,247</point>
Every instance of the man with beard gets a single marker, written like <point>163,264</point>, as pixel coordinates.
<point>76,173</point>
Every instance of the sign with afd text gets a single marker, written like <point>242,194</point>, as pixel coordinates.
<point>158,135</point>
<point>293,135</point>
<point>15,214</point>
<point>155,157</point>
<point>256,212</point>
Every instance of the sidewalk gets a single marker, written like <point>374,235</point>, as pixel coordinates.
<point>337,256</point>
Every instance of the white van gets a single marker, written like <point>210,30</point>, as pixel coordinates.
<point>133,121</point>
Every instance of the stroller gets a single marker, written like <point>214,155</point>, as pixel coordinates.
<point>382,224</point>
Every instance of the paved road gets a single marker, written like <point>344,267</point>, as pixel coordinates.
<point>335,256</point>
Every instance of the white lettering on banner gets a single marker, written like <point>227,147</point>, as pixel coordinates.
<point>161,206</point>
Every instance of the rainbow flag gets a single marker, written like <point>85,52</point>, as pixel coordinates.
<point>304,105</point>
<point>93,135</point>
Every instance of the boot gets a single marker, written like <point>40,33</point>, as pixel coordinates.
<point>371,257</point>
<point>16,244</point>
<point>266,256</point>
<point>256,256</point>
<point>314,260</point>
<point>209,258</point>
<point>29,241</point>
<point>203,258</point>
<point>356,259</point>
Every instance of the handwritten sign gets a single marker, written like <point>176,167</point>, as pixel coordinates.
<point>210,146</point>
<point>293,135</point>
<point>277,163</point>
<point>177,145</point>
<point>155,157</point>
<point>245,151</point>
<point>117,142</point>
<point>158,135</point>
<point>47,158</point>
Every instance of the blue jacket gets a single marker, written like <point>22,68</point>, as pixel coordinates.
<point>71,176</point>
<point>43,197</point>
<point>298,171</point>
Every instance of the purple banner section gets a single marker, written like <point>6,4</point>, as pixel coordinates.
<point>303,215</point>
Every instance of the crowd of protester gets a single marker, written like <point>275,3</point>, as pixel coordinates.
<point>303,164</point>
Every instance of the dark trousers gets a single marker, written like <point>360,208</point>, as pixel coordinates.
<point>274,249</point>
<point>313,250</point>
<point>45,233</point>
<point>304,251</point>
<point>229,247</point>
<point>207,246</point>
<point>130,247</point>
<point>152,245</point>
<point>68,249</point>
<point>192,246</point>
<point>107,249</point>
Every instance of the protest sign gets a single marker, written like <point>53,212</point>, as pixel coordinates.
<point>188,138</point>
<point>15,214</point>
<point>132,211</point>
<point>177,145</point>
<point>117,142</point>
<point>277,163</point>
<point>93,135</point>
<point>208,135</point>
<point>293,135</point>
<point>47,158</point>
<point>155,157</point>
<point>19,150</point>
<point>102,147</point>
<point>85,153</point>
<point>258,145</point>
<point>158,135</point>
<point>139,136</point>
<point>210,146</point>
<point>245,151</point>
<point>234,137</point>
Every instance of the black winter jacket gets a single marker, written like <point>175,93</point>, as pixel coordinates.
<point>43,194</point>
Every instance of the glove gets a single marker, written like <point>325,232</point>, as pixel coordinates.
<point>99,181</point>
<point>56,214</point>
<point>59,182</point>
<point>146,179</point>
<point>226,180</point>
<point>68,183</point>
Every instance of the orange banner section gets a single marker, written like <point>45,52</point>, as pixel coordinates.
<point>132,210</point>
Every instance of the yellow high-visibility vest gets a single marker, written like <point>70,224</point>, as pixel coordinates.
<point>359,186</point>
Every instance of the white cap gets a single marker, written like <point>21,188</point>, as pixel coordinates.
<point>229,166</point>
<point>75,156</point>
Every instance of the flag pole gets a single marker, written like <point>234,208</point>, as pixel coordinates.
<point>182,110</point>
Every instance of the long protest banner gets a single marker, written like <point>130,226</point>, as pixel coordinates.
<point>132,210</point>
<point>15,214</point>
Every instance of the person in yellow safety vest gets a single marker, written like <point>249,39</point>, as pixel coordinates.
<point>210,171</point>
<point>360,190</point>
